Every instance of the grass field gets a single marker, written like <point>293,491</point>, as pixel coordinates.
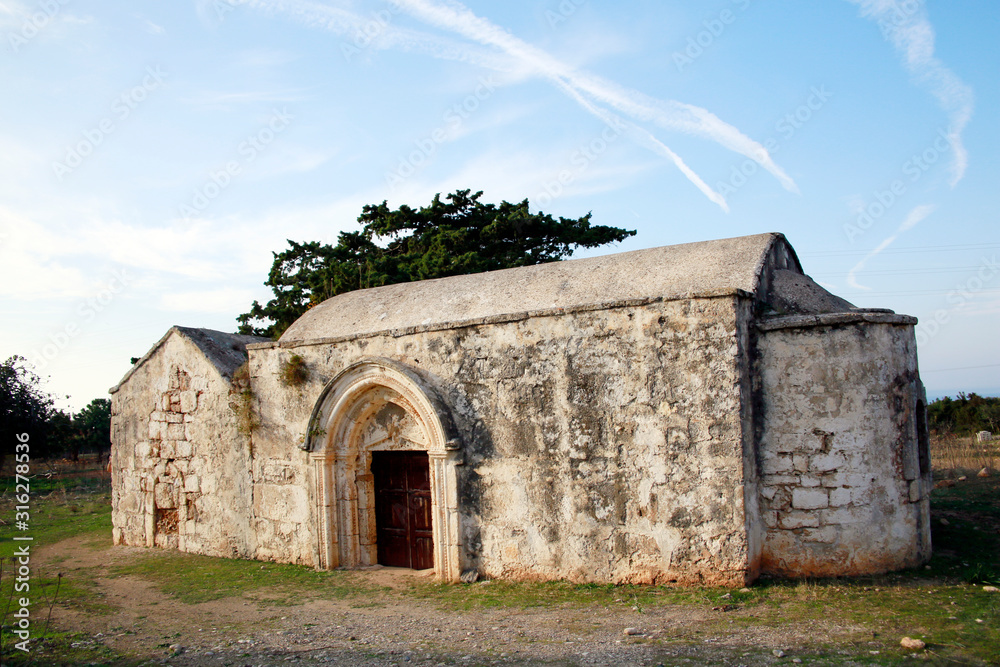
<point>943,603</point>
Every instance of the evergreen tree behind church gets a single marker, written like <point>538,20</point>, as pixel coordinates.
<point>457,236</point>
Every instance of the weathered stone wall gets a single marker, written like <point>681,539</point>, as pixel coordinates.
<point>599,445</point>
<point>180,468</point>
<point>754,526</point>
<point>845,483</point>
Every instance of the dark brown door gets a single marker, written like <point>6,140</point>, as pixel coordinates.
<point>403,509</point>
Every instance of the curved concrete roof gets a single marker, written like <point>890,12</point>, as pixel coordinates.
<point>682,271</point>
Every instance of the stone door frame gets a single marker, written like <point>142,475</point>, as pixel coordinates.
<point>343,485</point>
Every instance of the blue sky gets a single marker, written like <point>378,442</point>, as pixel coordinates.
<point>153,155</point>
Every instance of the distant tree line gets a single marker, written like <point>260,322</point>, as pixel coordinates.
<point>964,415</point>
<point>27,408</point>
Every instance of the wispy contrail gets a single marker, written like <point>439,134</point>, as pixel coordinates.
<point>906,26</point>
<point>380,33</point>
<point>911,221</point>
<point>668,114</point>
<point>455,17</point>
<point>647,140</point>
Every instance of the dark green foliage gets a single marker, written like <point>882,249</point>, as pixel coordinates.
<point>964,415</point>
<point>241,401</point>
<point>460,235</point>
<point>87,431</point>
<point>24,408</point>
<point>294,372</point>
<point>93,427</point>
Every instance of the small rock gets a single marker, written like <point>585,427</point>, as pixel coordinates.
<point>962,478</point>
<point>985,472</point>
<point>778,653</point>
<point>991,589</point>
<point>945,522</point>
<point>797,661</point>
<point>631,632</point>
<point>912,644</point>
<point>176,649</point>
<point>470,576</point>
<point>744,590</point>
<point>944,483</point>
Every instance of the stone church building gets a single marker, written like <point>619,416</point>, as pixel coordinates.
<point>698,413</point>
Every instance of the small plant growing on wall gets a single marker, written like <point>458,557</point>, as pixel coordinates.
<point>241,401</point>
<point>312,434</point>
<point>294,372</point>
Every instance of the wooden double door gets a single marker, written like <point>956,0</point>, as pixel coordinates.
<point>403,509</point>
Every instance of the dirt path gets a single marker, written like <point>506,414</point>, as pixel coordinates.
<point>398,630</point>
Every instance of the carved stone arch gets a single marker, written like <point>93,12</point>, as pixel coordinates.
<point>379,405</point>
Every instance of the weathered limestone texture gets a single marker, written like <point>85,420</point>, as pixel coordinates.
<point>613,450</point>
<point>694,414</point>
<point>180,467</point>
<point>846,470</point>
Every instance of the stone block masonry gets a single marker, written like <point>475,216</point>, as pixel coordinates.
<point>839,432</point>
<point>693,414</point>
<point>182,490</point>
<point>616,427</point>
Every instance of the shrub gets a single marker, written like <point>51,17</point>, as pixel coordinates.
<point>294,372</point>
<point>241,401</point>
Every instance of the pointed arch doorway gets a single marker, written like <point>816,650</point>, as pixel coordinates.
<point>384,460</point>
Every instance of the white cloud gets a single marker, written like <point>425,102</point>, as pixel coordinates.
<point>980,305</point>
<point>265,58</point>
<point>291,159</point>
<point>22,22</point>
<point>225,300</point>
<point>906,26</point>
<point>223,100</point>
<point>379,31</point>
<point>11,13</point>
<point>913,218</point>
<point>668,114</point>
<point>376,30</point>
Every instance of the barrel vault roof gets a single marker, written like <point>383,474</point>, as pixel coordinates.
<point>707,268</point>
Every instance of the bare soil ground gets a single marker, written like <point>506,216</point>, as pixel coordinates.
<point>130,606</point>
<point>147,626</point>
